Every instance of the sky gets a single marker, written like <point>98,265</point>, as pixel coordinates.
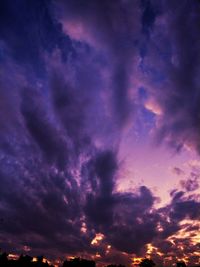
<point>100,129</point>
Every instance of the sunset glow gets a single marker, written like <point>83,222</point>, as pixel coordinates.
<point>100,131</point>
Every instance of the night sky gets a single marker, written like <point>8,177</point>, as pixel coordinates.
<point>100,129</point>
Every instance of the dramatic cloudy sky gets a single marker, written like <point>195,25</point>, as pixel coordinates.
<point>100,129</point>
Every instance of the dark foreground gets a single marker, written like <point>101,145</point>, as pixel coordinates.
<point>28,261</point>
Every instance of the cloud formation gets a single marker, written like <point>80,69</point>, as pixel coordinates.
<point>175,35</point>
<point>65,101</point>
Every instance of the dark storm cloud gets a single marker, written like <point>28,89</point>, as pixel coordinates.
<point>180,208</point>
<point>119,214</point>
<point>170,221</point>
<point>112,25</point>
<point>69,108</point>
<point>41,129</point>
<point>105,167</point>
<point>133,219</point>
<point>166,247</point>
<point>180,65</point>
<point>28,29</point>
<point>185,209</point>
<point>40,198</point>
<point>46,217</point>
<point>150,11</point>
<point>99,202</point>
<point>58,157</point>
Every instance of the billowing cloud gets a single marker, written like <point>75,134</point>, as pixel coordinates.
<point>65,101</point>
<point>190,184</point>
<point>114,26</point>
<point>174,67</point>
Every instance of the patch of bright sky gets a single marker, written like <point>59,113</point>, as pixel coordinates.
<point>144,163</point>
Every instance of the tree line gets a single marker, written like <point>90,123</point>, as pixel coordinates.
<point>28,261</point>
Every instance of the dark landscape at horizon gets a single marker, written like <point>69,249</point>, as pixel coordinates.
<point>100,133</point>
<point>10,260</point>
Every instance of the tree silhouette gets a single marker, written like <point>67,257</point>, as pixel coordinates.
<point>115,265</point>
<point>180,264</point>
<point>25,260</point>
<point>22,261</point>
<point>147,263</point>
<point>3,259</point>
<point>78,262</point>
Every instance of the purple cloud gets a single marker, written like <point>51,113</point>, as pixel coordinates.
<point>64,105</point>
<point>178,63</point>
